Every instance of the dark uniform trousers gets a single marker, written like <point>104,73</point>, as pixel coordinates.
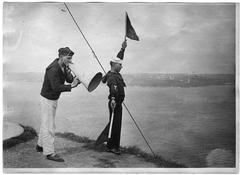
<point>114,141</point>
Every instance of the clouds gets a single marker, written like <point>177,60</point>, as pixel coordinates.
<point>174,38</point>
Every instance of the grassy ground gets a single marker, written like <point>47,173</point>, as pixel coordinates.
<point>28,134</point>
<point>133,150</point>
<point>78,152</point>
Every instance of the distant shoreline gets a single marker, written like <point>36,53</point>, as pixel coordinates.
<point>147,79</point>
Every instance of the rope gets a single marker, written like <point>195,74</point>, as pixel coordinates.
<point>84,37</point>
<point>105,73</point>
<point>139,129</point>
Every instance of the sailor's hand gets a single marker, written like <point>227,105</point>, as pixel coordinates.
<point>75,82</point>
<point>113,103</point>
<point>124,44</point>
<point>67,69</point>
<point>79,82</point>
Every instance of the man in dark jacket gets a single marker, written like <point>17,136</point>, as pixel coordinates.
<point>116,96</point>
<point>53,85</point>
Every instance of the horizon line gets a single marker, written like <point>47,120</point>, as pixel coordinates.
<point>131,73</point>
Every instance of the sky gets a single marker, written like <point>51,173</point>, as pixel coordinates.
<point>174,37</point>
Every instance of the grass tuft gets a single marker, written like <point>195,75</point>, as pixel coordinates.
<point>28,134</point>
<point>73,137</point>
<point>157,159</point>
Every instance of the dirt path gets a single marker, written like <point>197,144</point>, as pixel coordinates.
<point>75,154</point>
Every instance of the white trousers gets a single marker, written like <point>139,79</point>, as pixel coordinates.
<point>47,128</point>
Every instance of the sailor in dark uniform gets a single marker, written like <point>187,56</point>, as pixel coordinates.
<point>116,96</point>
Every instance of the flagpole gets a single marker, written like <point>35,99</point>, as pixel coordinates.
<point>125,37</point>
<point>84,37</point>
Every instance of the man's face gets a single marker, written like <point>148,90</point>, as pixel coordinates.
<point>67,60</point>
<point>117,67</point>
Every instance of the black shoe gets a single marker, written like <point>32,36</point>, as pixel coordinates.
<point>39,148</point>
<point>113,150</point>
<point>116,151</point>
<point>55,157</point>
<point>108,149</point>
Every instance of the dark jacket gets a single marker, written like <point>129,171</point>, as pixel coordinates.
<point>116,86</point>
<point>54,80</point>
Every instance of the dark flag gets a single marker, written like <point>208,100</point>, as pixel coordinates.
<point>103,136</point>
<point>130,32</point>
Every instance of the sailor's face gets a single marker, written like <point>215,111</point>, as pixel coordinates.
<point>67,60</point>
<point>118,67</point>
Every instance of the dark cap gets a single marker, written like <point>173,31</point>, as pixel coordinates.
<point>65,51</point>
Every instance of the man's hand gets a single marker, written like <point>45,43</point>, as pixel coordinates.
<point>113,104</point>
<point>124,44</point>
<point>67,70</point>
<point>75,82</point>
